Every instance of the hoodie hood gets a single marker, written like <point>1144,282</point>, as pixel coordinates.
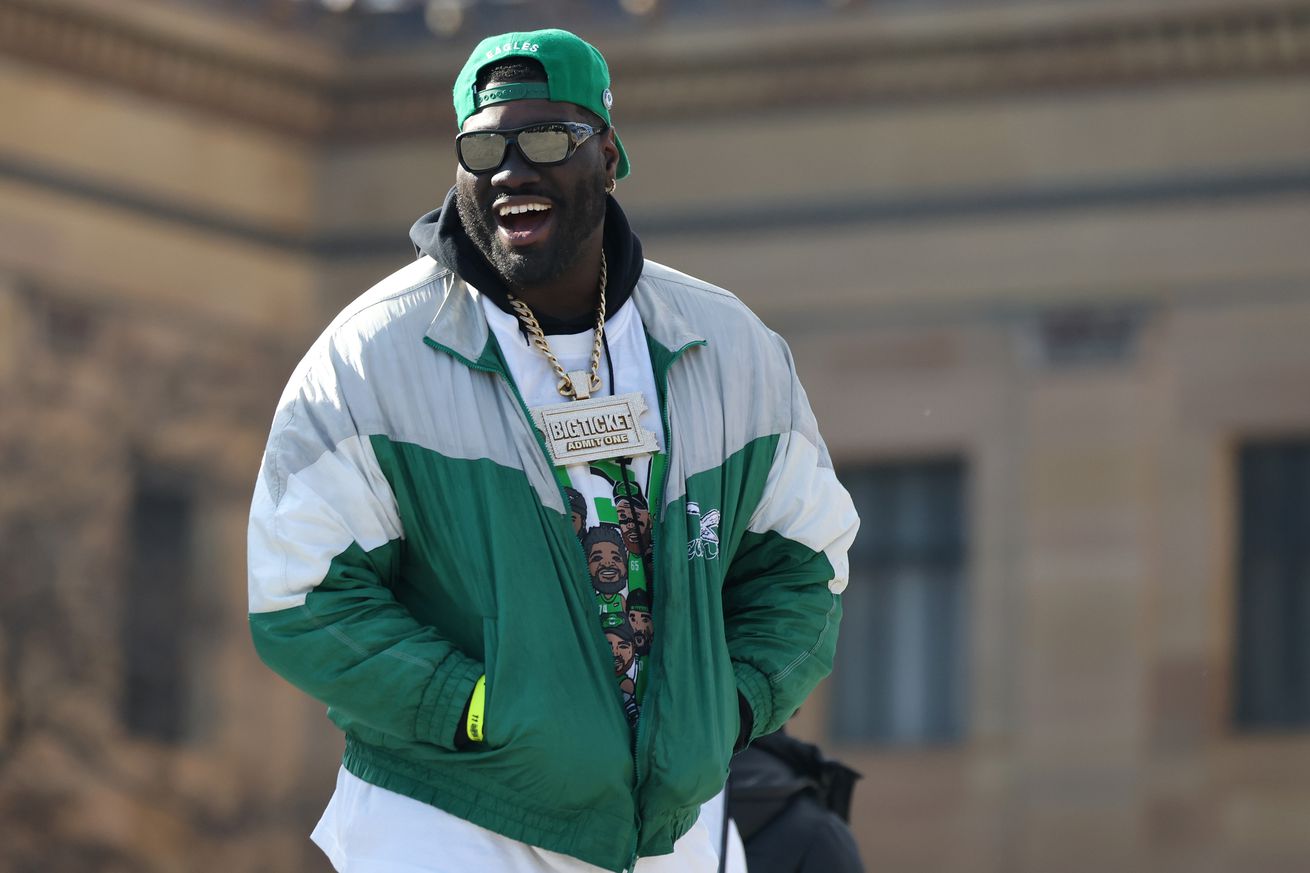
<point>441,236</point>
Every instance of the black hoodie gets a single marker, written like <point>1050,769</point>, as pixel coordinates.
<point>440,235</point>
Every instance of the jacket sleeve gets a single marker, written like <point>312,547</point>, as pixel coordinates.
<point>781,596</point>
<point>324,543</point>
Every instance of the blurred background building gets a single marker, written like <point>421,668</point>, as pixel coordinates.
<point>1045,268</point>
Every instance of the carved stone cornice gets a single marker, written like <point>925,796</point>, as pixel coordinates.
<point>114,52</point>
<point>1245,39</point>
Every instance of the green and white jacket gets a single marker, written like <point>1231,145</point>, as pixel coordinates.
<point>407,535</point>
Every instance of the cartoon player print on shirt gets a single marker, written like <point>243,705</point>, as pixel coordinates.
<point>610,604</point>
<point>634,521</point>
<point>577,510</point>
<point>606,558</point>
<point>611,517</point>
<point>626,663</point>
<point>639,619</point>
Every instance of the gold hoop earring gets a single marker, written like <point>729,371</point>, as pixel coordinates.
<point>611,185</point>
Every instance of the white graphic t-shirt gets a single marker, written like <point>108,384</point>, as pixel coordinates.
<point>609,501</point>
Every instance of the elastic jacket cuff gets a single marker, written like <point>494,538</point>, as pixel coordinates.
<point>753,688</point>
<point>443,709</point>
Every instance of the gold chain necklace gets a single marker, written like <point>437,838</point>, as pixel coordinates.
<point>537,337</point>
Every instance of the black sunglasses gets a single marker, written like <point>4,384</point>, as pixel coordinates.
<point>481,151</point>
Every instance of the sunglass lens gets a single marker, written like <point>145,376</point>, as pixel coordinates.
<point>544,146</point>
<point>482,151</point>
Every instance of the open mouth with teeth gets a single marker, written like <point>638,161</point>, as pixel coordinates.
<point>523,222</point>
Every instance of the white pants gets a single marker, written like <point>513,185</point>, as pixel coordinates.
<point>367,829</point>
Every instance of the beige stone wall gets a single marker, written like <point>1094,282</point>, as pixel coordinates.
<point>138,334</point>
<point>102,389</point>
<point>1101,581</point>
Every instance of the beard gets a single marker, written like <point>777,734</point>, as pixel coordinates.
<point>609,587</point>
<point>577,214</point>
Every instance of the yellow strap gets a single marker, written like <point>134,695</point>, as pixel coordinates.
<point>477,704</point>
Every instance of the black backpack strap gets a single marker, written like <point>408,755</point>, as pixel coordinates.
<point>723,826</point>
<point>836,785</point>
<point>833,781</point>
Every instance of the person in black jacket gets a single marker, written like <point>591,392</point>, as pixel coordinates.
<point>791,806</point>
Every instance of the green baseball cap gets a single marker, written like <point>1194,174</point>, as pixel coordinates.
<point>575,73</point>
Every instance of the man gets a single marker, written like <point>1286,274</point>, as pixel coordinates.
<point>462,653</point>
<point>626,664</point>
<point>607,562</point>
<point>643,630</point>
<point>577,510</point>
<point>634,520</point>
<point>623,649</point>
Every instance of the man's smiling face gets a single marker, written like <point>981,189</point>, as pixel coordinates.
<point>609,567</point>
<point>530,221</point>
<point>635,524</point>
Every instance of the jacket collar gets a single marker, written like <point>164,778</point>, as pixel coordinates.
<point>460,327</point>
<point>664,324</point>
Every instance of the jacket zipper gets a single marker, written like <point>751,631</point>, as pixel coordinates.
<point>656,498</point>
<point>636,763</point>
<point>541,443</point>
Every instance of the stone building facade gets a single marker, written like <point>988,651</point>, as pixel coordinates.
<point>1044,270</point>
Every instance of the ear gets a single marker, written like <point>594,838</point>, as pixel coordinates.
<point>611,153</point>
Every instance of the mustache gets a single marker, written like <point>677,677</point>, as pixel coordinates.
<point>494,193</point>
